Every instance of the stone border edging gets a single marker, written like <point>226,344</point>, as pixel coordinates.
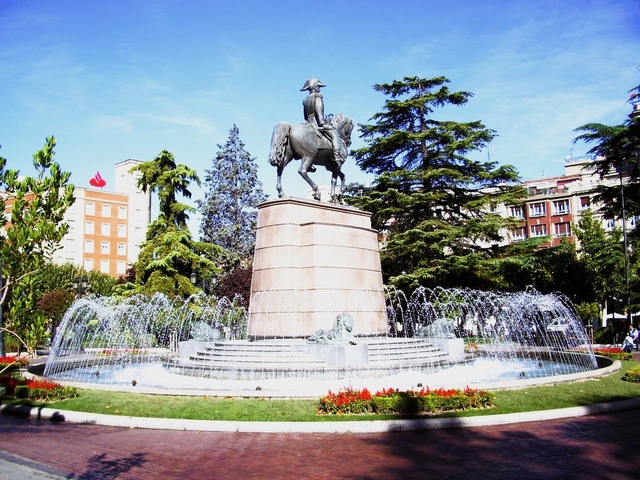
<point>369,426</point>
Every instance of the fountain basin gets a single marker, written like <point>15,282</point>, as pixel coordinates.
<point>485,373</point>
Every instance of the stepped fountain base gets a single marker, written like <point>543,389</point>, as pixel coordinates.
<point>272,359</point>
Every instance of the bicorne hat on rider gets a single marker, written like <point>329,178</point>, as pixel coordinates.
<point>312,82</point>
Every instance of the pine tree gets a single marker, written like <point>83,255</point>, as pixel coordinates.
<point>233,193</point>
<point>168,179</point>
<point>431,200</point>
<point>169,256</point>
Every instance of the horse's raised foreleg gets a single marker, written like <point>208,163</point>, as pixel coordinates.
<point>305,164</point>
<point>334,182</point>
<point>342,181</point>
<point>335,173</point>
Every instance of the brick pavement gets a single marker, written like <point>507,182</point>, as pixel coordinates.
<point>593,447</point>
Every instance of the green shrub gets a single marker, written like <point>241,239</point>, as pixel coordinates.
<point>384,405</point>
<point>632,375</point>
<point>21,391</point>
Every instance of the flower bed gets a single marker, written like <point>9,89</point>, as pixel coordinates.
<point>44,390</point>
<point>613,352</point>
<point>393,401</point>
<point>10,363</point>
<point>108,352</point>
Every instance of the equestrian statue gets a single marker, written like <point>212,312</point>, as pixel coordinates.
<point>322,141</point>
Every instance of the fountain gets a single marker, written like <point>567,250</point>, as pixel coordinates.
<point>435,337</point>
<point>318,309</point>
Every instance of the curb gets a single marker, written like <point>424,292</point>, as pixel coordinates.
<point>369,426</point>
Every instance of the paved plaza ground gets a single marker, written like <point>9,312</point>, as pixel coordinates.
<point>592,447</point>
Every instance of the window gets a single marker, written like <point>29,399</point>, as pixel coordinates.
<point>121,267</point>
<point>122,248</point>
<point>585,203</point>
<point>106,229</point>
<point>105,248</point>
<point>539,230</point>
<point>90,208</point>
<point>122,213</point>
<point>562,229</point>
<point>537,209</point>
<point>609,224</point>
<point>106,210</point>
<point>561,207</point>
<point>517,212</point>
<point>104,266</point>
<point>88,264</point>
<point>88,227</point>
<point>88,246</point>
<point>122,230</point>
<point>518,234</point>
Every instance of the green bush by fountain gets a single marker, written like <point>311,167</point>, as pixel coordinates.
<point>632,375</point>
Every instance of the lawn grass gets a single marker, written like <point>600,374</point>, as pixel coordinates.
<point>599,390</point>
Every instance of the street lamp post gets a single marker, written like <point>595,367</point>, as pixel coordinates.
<point>634,115</point>
<point>1,322</point>
<point>194,280</point>
<point>80,285</point>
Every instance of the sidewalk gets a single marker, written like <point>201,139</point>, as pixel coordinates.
<point>18,468</point>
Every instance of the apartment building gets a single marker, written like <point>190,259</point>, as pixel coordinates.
<point>106,228</point>
<point>554,205</point>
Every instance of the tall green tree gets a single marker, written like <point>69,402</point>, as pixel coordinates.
<point>166,178</point>
<point>434,203</point>
<point>169,258</point>
<point>603,255</point>
<point>617,149</point>
<point>33,232</point>
<point>233,192</point>
<point>169,255</point>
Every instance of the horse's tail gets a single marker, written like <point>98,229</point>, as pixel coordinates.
<point>279,140</point>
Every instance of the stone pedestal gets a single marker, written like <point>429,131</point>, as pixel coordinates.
<point>313,261</point>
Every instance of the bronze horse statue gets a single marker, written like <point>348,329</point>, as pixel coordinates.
<point>307,143</point>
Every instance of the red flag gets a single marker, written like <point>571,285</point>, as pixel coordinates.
<point>97,181</point>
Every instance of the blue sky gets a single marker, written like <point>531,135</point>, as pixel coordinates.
<point>119,79</point>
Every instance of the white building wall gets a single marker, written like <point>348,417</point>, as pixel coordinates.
<point>139,215</point>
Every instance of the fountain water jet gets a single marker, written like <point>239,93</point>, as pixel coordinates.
<point>519,336</point>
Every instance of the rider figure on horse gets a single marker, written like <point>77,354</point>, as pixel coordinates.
<point>314,115</point>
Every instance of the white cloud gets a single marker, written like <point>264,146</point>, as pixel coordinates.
<point>114,123</point>
<point>199,123</point>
